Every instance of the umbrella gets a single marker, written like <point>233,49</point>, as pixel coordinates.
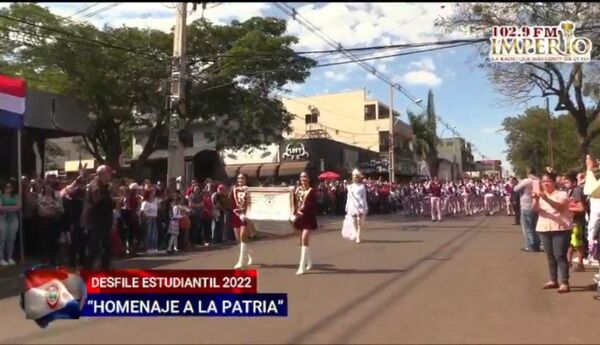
<point>329,175</point>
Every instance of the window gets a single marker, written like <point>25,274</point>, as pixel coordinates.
<point>370,112</point>
<point>449,143</point>
<point>384,112</point>
<point>311,118</point>
<point>384,141</point>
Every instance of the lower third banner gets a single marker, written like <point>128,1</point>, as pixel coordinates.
<point>213,305</point>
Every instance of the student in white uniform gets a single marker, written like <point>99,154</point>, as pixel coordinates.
<point>356,203</point>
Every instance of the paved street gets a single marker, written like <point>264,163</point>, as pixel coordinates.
<point>461,281</point>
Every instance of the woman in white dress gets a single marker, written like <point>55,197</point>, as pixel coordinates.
<point>356,203</point>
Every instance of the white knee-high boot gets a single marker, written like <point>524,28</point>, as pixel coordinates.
<point>302,265</point>
<point>358,224</point>
<point>308,259</point>
<point>249,254</point>
<point>243,253</point>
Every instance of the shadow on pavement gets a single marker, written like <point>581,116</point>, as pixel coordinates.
<point>452,246</point>
<point>330,269</point>
<point>392,241</point>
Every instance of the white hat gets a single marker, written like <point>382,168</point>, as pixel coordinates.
<point>134,186</point>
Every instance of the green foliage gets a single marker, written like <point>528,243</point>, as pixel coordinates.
<point>527,141</point>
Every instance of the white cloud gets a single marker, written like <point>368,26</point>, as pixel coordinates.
<point>421,78</point>
<point>156,15</point>
<point>424,64</point>
<point>490,130</point>
<point>355,25</point>
<point>336,75</point>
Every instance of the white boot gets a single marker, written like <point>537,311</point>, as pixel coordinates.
<point>243,254</point>
<point>249,256</point>
<point>308,259</point>
<point>301,268</point>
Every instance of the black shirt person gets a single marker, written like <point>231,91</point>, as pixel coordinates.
<point>97,218</point>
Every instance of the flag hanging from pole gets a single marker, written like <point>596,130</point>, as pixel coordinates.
<point>12,102</point>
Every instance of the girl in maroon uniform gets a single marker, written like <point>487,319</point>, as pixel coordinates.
<point>304,219</point>
<point>239,221</point>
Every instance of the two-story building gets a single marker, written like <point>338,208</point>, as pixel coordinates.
<point>354,119</point>
<point>455,156</point>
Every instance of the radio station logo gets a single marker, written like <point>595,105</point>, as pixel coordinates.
<point>539,44</point>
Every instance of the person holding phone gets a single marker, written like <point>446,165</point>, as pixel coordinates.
<point>529,215</point>
<point>554,225</point>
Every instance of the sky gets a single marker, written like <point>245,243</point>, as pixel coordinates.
<point>464,98</point>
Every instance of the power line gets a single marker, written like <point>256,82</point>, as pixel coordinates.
<point>103,9</point>
<point>290,11</point>
<point>83,10</point>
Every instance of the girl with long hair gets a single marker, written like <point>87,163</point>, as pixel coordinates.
<point>9,223</point>
<point>242,225</point>
<point>149,214</point>
<point>304,219</point>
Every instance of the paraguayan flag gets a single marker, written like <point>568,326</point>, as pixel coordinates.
<point>52,295</point>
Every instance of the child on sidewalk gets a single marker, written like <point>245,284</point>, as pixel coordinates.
<point>178,211</point>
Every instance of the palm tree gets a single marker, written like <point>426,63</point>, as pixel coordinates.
<point>424,139</point>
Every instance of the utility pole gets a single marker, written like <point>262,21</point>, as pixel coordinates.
<point>391,159</point>
<point>550,148</point>
<point>176,158</point>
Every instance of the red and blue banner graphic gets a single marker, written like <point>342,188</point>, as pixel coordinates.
<point>52,294</point>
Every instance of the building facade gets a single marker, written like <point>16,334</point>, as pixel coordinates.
<point>285,161</point>
<point>456,157</point>
<point>353,119</point>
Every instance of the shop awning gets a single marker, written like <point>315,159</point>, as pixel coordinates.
<point>268,170</point>
<point>251,170</point>
<point>292,168</point>
<point>232,170</point>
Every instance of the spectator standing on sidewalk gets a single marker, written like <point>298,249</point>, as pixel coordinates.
<point>219,199</point>
<point>529,215</point>
<point>9,223</point>
<point>97,218</point>
<point>50,208</point>
<point>555,227</point>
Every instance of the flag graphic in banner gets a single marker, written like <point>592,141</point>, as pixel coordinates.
<point>12,101</point>
<point>53,295</point>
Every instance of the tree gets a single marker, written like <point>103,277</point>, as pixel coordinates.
<point>98,67</point>
<point>235,71</point>
<point>527,141</point>
<point>575,88</point>
<point>424,141</point>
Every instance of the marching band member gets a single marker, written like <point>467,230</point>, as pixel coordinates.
<point>239,221</point>
<point>304,219</point>
<point>356,203</point>
<point>435,189</point>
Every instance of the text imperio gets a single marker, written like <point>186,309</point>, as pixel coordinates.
<point>538,44</point>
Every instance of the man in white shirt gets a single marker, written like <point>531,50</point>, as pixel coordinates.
<point>529,216</point>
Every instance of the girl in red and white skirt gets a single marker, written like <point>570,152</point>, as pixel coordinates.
<point>239,222</point>
<point>304,219</point>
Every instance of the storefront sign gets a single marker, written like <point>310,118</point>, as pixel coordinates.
<point>270,203</point>
<point>295,151</point>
